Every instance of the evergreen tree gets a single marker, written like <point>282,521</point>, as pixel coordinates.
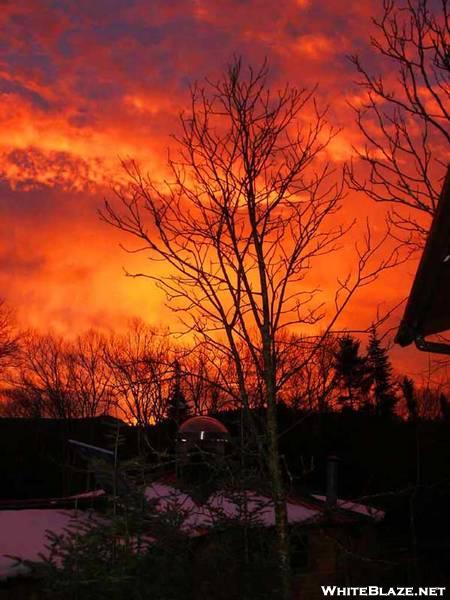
<point>177,407</point>
<point>350,371</point>
<point>380,371</point>
<point>409,394</point>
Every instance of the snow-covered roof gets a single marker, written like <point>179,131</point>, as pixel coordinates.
<point>23,534</point>
<point>247,507</point>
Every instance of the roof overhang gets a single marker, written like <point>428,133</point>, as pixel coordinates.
<point>427,310</point>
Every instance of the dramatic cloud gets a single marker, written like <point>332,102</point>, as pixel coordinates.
<point>83,84</point>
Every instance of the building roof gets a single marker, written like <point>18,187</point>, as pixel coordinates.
<point>427,310</point>
<point>259,510</point>
<point>24,535</point>
<point>24,532</point>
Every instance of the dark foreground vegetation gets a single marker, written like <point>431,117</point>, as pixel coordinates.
<point>401,467</point>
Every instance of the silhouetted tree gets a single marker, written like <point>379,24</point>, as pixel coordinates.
<point>310,388</point>
<point>22,401</point>
<point>205,382</point>
<point>404,114</point>
<point>140,360</point>
<point>248,208</point>
<point>90,376</point>
<point>351,371</point>
<point>380,374</point>
<point>429,405</point>
<point>61,379</point>
<point>409,393</point>
<point>44,377</point>
<point>9,337</point>
<point>177,406</point>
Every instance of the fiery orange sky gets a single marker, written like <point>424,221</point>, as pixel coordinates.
<point>85,83</point>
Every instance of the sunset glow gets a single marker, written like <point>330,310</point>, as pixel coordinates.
<point>84,85</point>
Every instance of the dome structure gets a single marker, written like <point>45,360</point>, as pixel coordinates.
<point>201,447</point>
<point>202,428</point>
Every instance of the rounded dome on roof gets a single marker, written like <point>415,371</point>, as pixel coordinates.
<point>208,425</point>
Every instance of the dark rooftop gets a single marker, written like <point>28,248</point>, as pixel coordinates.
<point>427,311</point>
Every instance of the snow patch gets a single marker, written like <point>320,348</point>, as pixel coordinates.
<point>249,508</point>
<point>23,534</point>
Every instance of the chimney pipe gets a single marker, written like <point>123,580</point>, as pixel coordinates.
<point>331,491</point>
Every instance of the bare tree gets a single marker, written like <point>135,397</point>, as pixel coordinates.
<point>9,337</point>
<point>20,402</point>
<point>249,207</point>
<point>405,115</point>
<point>141,362</point>
<point>205,385</point>
<point>60,379</point>
<point>42,381</point>
<point>90,378</point>
<point>313,387</point>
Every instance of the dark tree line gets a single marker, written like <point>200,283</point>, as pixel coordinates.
<point>365,380</point>
<point>143,377</point>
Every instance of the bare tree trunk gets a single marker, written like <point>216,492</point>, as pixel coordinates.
<point>279,497</point>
